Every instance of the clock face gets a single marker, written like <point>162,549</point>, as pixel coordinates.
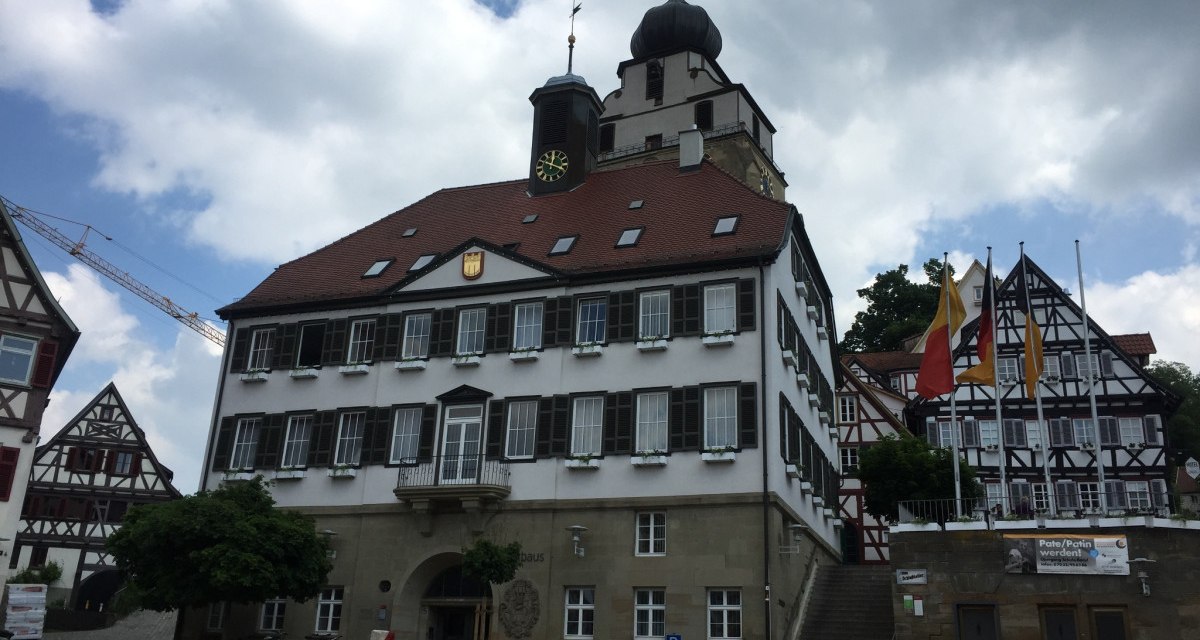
<point>552,165</point>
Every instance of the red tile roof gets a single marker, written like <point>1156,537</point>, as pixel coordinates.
<point>679,212</point>
<point>1135,344</point>
<point>887,361</point>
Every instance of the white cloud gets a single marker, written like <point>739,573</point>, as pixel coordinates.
<point>1167,304</point>
<point>168,390</point>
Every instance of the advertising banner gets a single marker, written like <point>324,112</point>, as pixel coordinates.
<point>1066,553</point>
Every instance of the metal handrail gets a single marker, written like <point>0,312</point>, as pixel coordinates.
<point>474,469</point>
<point>672,141</point>
<point>1029,506</point>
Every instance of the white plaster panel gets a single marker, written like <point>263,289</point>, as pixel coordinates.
<point>496,269</point>
<point>12,265</point>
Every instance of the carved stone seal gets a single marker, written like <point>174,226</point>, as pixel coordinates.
<point>519,609</point>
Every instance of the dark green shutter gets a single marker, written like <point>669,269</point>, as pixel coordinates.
<point>270,437</point>
<point>334,350</point>
<point>693,323</point>
<point>498,335</point>
<point>441,333</point>
<point>387,337</point>
<point>241,340</point>
<point>745,305</point>
<point>495,430</point>
<point>785,451</point>
<point>692,419</point>
<point>675,419</point>
<point>377,436</point>
<point>565,326</point>
<point>545,425</point>
<point>550,323</point>
<point>748,414</point>
<point>220,452</point>
<point>284,352</point>
<point>561,426</point>
<point>622,316</point>
<point>428,427</point>
<point>320,446</point>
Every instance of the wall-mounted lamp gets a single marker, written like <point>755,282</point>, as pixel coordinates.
<point>797,532</point>
<point>577,538</point>
<point>1143,575</point>
<point>328,534</point>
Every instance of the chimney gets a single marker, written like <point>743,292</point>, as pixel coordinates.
<point>691,148</point>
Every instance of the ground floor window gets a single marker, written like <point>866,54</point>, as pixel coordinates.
<point>1058,623</point>
<point>649,613</point>
<point>724,613</point>
<point>216,616</point>
<point>1109,623</point>
<point>329,609</point>
<point>580,612</point>
<point>272,614</point>
<point>978,622</point>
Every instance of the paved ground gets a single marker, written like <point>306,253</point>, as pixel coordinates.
<point>143,625</point>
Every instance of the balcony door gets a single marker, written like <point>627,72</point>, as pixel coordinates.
<point>462,431</point>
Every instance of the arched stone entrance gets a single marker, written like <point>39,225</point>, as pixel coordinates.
<point>446,604</point>
<point>97,590</point>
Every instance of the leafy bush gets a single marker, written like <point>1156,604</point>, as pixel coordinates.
<point>491,562</point>
<point>48,573</point>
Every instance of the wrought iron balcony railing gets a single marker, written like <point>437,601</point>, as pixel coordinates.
<point>453,471</point>
<point>1073,504</point>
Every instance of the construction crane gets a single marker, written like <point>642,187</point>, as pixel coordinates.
<point>81,252</point>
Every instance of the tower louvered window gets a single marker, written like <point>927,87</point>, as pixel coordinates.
<point>554,122</point>
<point>654,81</point>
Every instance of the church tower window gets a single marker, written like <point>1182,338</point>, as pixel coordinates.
<point>654,81</point>
<point>704,115</point>
<point>608,136</point>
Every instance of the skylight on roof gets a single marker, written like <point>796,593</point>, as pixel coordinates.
<point>636,204</point>
<point>378,267</point>
<point>422,262</point>
<point>563,245</point>
<point>725,225</point>
<point>529,218</point>
<point>629,237</point>
<point>410,232</point>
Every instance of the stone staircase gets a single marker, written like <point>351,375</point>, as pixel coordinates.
<point>850,602</point>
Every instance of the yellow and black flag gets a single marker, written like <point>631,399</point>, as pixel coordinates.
<point>985,340</point>
<point>1033,334</point>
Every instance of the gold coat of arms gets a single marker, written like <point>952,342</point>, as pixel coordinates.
<point>472,265</point>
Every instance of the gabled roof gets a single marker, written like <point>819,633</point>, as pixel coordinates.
<point>888,361</point>
<point>679,211</point>
<point>1135,344</point>
<point>872,395</point>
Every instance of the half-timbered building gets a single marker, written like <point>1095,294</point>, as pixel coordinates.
<point>82,482</point>
<point>36,337</point>
<point>625,367</point>
<point>1117,462</point>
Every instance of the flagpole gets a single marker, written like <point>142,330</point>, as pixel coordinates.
<point>996,379</point>
<point>954,388</point>
<point>1037,396</point>
<point>1087,351</point>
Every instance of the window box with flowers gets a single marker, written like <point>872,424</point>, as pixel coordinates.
<point>526,354</point>
<point>652,343</point>
<point>718,339</point>
<point>405,365</point>
<point>292,473</point>
<point>465,360</point>
<point>587,350</point>
<point>655,458</point>
<point>303,373</point>
<point>794,471</point>
<point>254,375</point>
<point>582,461</point>
<point>719,454</point>
<point>355,368</point>
<point>238,475</point>
<point>343,471</point>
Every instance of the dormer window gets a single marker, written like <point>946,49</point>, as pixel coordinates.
<point>563,245</point>
<point>378,268</point>
<point>725,226</point>
<point>629,237</point>
<point>422,262</point>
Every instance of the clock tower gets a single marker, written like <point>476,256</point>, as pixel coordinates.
<point>566,134</point>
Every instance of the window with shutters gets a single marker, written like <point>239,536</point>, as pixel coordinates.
<point>362,341</point>
<point>122,463</point>
<point>16,358</point>
<point>522,429</point>
<point>295,442</point>
<point>471,331</point>
<point>245,441</point>
<point>1007,370</point>
<point>989,434</point>
<point>587,425</point>
<point>1014,432</point>
<point>704,115</point>
<point>1050,368</point>
<point>1066,494</point>
<point>312,341</point>
<point>654,315</point>
<point>1088,367</point>
<point>527,326</point>
<point>1114,494</point>
<point>1033,434</point>
<point>720,417</point>
<point>1132,431</point>
<point>262,343</point>
<point>350,436</point>
<point>406,435</point>
<point>1085,434</point>
<point>649,613</point>
<point>1061,433</point>
<point>416,336</point>
<point>1089,495</point>
<point>329,610</point>
<point>593,315</point>
<point>1041,496</point>
<point>651,422</point>
<point>1020,498</point>
<point>720,309</point>
<point>271,618</point>
<point>216,616</point>
<point>1153,425</point>
<point>1137,493</point>
<point>651,534</point>
<point>579,619</point>
<point>724,614</point>
<point>849,459</point>
<point>847,409</point>
<point>38,556</point>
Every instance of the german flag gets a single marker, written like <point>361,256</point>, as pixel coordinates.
<point>1033,334</point>
<point>985,342</point>
<point>936,375</point>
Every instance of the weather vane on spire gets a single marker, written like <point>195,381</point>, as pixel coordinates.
<point>571,38</point>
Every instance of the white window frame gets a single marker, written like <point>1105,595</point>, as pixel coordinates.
<point>262,344</point>
<point>215,620</point>
<point>720,309</point>
<point>849,458</point>
<point>650,537</point>
<point>995,494</point>
<point>245,441</point>
<point>1033,434</point>
<point>351,426</point>
<point>1133,431</point>
<point>651,432</point>
<point>1084,432</point>
<point>527,326</point>
<point>1083,367</point>
<point>592,325</point>
<point>472,331</point>
<point>947,434</point>
<point>1051,368</point>
<point>579,615</point>
<point>1040,496</point>
<point>989,433</point>
<point>654,314</point>
<point>1008,369</point>
<point>720,417</point>
<point>329,610</point>
<point>587,425</point>
<point>21,351</point>
<point>295,442</point>
<point>724,614</point>
<point>362,341</point>
<point>416,336</point>
<point>1089,495</point>
<point>271,615</point>
<point>649,613</point>
<point>521,432</point>
<point>406,435</point>
<point>123,463</point>
<point>847,409</point>
<point>1137,495</point>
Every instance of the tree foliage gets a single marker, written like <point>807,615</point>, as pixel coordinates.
<point>897,308</point>
<point>908,468</point>
<point>1183,429</point>
<point>491,562</point>
<point>231,544</point>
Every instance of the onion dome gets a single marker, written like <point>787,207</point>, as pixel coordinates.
<point>675,25</point>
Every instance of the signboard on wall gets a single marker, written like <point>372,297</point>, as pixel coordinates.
<point>1192,467</point>
<point>1066,553</point>
<point>912,576</point>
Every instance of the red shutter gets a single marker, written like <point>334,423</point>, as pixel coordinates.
<point>8,470</point>
<point>98,460</point>
<point>72,454</point>
<point>43,372</point>
<point>135,469</point>
<point>110,463</point>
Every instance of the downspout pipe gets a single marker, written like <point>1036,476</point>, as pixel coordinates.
<point>762,409</point>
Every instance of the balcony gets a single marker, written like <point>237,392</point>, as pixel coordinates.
<point>468,480</point>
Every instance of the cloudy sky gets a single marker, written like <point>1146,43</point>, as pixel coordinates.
<point>215,139</point>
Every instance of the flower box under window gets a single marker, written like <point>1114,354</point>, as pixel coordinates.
<point>582,463</point>
<point>802,379</point>
<point>648,460</point>
<point>289,474</point>
<point>239,475</point>
<point>822,333</point>
<point>806,486</point>
<point>303,373</point>
<point>718,456</point>
<point>814,400</point>
<point>827,512</point>
<point>466,361</point>
<point>343,472</point>
<point>656,344</point>
<point>529,355</point>
<point>416,364</point>
<point>834,433</point>
<point>812,313</point>
<point>818,500</point>
<point>789,357</point>
<point>259,375</point>
<point>719,340</point>
<point>587,350</point>
<point>802,289</point>
<point>355,369</point>
<point>793,470</point>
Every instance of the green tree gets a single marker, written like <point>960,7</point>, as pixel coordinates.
<point>1183,429</point>
<point>908,468</point>
<point>897,308</point>
<point>491,562</point>
<point>231,544</point>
